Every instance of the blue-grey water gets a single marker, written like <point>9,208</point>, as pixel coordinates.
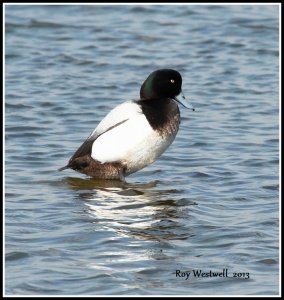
<point>209,204</point>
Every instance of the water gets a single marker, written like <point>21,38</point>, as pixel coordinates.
<point>209,203</point>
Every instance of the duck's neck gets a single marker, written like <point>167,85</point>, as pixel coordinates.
<point>160,113</point>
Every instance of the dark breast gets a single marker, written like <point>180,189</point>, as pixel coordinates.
<point>162,114</point>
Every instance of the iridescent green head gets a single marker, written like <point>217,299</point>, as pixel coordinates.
<point>163,83</point>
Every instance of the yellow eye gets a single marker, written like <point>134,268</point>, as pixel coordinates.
<point>172,81</point>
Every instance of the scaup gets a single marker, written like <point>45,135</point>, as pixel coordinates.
<point>135,133</point>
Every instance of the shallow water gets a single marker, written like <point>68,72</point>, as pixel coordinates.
<point>209,203</point>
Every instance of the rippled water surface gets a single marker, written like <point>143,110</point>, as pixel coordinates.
<point>210,203</point>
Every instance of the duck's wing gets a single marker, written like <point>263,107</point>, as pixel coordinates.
<point>114,118</point>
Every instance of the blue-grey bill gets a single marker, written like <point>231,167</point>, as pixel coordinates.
<point>184,102</point>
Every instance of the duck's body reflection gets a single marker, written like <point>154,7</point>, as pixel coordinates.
<point>143,210</point>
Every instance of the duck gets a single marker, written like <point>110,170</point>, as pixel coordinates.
<point>135,133</point>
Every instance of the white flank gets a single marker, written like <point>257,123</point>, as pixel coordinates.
<point>133,142</point>
<point>120,113</point>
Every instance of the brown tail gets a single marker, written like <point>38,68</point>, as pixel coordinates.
<point>63,168</point>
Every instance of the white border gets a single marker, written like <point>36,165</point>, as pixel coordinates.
<point>3,155</point>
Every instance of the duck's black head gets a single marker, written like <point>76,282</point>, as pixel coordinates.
<point>163,83</point>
